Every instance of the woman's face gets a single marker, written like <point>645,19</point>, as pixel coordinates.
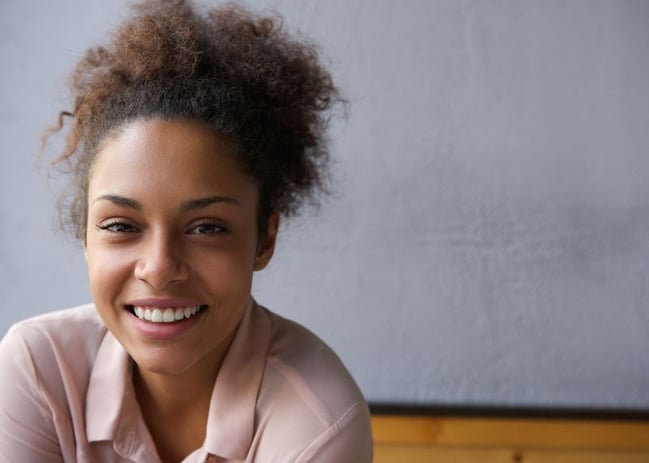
<point>172,242</point>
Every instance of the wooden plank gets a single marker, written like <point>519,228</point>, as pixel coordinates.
<point>427,454</point>
<point>532,456</point>
<point>406,430</point>
<point>512,433</point>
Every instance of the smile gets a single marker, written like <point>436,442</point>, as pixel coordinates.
<point>165,315</point>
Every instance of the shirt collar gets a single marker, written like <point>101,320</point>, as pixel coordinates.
<point>112,411</point>
<point>231,422</point>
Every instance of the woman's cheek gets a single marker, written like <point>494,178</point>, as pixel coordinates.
<point>108,271</point>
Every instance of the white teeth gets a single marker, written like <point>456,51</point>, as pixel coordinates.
<point>156,315</point>
<point>168,315</point>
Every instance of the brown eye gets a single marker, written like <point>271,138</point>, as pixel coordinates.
<point>207,228</point>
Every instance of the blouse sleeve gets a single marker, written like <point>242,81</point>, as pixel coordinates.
<point>27,431</point>
<point>348,440</point>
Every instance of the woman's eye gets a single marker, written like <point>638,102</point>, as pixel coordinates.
<point>206,228</point>
<point>117,227</point>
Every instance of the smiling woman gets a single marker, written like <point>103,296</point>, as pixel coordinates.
<point>183,240</point>
<point>192,135</point>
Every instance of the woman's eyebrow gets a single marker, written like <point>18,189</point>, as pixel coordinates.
<point>188,205</point>
<point>120,201</point>
<point>200,203</point>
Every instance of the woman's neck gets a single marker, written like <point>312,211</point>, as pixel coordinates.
<point>176,407</point>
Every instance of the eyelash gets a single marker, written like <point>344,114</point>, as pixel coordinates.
<point>121,227</point>
<point>112,225</point>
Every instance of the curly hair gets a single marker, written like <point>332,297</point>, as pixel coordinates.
<point>239,73</point>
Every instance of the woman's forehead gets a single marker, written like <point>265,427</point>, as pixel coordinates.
<point>172,159</point>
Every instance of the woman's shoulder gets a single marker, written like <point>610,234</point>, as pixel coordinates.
<point>55,344</point>
<point>71,328</point>
<point>49,359</point>
<point>306,382</point>
<point>296,350</point>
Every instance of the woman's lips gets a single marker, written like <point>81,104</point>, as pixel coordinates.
<point>164,302</point>
<point>164,318</point>
<point>165,315</point>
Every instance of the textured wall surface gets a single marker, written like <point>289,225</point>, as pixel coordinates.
<point>488,239</point>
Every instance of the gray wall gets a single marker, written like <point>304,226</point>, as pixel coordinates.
<point>488,241</point>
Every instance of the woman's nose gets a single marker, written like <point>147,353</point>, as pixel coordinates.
<point>161,263</point>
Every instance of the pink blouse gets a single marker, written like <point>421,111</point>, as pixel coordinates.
<point>281,396</point>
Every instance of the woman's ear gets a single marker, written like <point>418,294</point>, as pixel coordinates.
<point>266,246</point>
